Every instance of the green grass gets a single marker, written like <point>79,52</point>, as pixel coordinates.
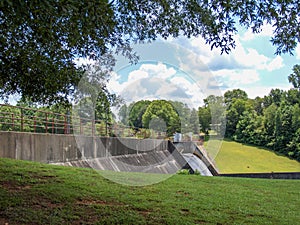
<point>34,193</point>
<point>234,157</point>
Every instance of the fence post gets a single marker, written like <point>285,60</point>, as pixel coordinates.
<point>13,120</point>
<point>46,123</point>
<point>22,120</point>
<point>93,127</point>
<point>53,125</point>
<point>80,124</point>
<point>65,124</point>
<point>34,124</point>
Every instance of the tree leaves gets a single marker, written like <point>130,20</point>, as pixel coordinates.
<point>39,40</point>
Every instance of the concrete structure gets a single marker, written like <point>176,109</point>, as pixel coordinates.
<point>104,153</point>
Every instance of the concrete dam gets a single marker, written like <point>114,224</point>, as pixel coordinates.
<point>107,153</point>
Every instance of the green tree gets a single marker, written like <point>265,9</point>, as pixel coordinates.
<point>231,96</point>
<point>269,124</point>
<point>161,114</point>
<point>39,40</point>
<point>217,109</point>
<point>250,129</point>
<point>275,96</point>
<point>234,114</point>
<point>293,96</point>
<point>294,77</point>
<point>123,114</point>
<point>294,146</point>
<point>184,113</point>
<point>258,104</point>
<point>194,121</point>
<point>283,128</point>
<point>204,118</point>
<point>136,112</point>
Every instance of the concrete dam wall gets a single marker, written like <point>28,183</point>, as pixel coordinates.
<point>62,148</point>
<point>103,153</point>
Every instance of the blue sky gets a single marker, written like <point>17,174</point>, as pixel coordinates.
<point>187,70</point>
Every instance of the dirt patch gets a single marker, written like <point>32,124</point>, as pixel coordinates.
<point>98,202</point>
<point>184,211</point>
<point>184,193</point>
<point>144,213</point>
<point>13,186</point>
<point>4,221</point>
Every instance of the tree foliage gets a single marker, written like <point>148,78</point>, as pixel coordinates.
<point>272,121</point>
<point>39,40</point>
<point>160,114</point>
<point>204,114</point>
<point>136,112</point>
<point>294,77</point>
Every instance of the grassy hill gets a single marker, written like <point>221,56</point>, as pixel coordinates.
<point>34,193</point>
<point>234,157</point>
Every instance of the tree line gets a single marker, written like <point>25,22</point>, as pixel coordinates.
<point>160,115</point>
<point>272,121</point>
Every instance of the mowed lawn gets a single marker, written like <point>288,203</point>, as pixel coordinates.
<point>35,193</point>
<point>233,157</point>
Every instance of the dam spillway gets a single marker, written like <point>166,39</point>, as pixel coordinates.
<point>104,153</point>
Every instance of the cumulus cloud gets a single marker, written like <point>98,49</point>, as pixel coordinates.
<point>156,81</point>
<point>298,51</point>
<point>237,77</point>
<point>244,66</point>
<point>275,64</point>
<point>266,31</point>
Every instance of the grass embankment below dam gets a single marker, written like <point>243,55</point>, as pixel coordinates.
<point>35,193</point>
<point>233,157</point>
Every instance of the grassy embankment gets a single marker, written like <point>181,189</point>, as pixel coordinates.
<point>234,157</point>
<point>34,193</point>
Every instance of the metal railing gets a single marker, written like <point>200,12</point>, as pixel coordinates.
<point>22,119</point>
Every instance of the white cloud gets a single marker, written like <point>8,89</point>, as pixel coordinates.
<point>298,51</point>
<point>157,70</point>
<point>249,58</point>
<point>237,77</point>
<point>137,75</point>
<point>267,31</point>
<point>261,91</point>
<point>275,64</point>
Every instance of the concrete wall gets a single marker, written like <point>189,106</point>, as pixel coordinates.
<point>62,148</point>
<point>274,175</point>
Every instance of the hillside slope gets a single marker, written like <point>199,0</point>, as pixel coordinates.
<point>34,193</point>
<point>233,157</point>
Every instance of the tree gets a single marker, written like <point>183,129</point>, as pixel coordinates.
<point>283,128</point>
<point>258,105</point>
<point>136,112</point>
<point>294,146</point>
<point>160,114</point>
<point>294,77</point>
<point>204,118</point>
<point>269,124</point>
<point>293,96</point>
<point>234,114</point>
<point>123,114</point>
<point>275,96</point>
<point>230,96</point>
<point>250,129</point>
<point>39,40</point>
<point>217,110</point>
<point>194,121</point>
<point>184,113</point>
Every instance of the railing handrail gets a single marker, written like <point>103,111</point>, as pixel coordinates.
<point>53,122</point>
